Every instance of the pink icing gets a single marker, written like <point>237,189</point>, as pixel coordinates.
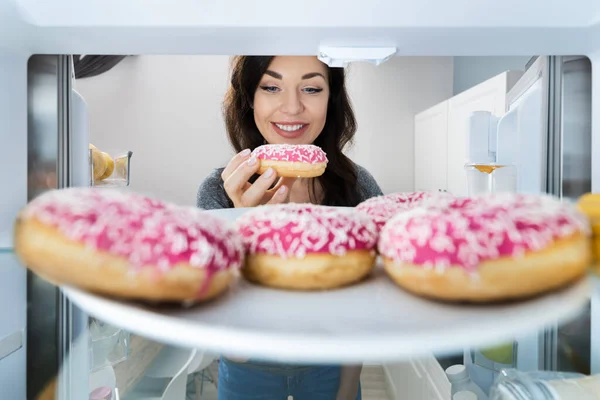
<point>294,230</point>
<point>304,153</point>
<point>146,231</point>
<point>382,208</point>
<point>466,231</point>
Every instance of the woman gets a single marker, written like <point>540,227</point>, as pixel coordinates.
<point>294,100</point>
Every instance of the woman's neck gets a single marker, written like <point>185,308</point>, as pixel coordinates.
<point>301,191</point>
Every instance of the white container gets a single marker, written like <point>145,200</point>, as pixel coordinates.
<point>465,395</point>
<point>460,381</point>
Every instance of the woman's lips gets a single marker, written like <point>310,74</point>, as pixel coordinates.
<point>289,130</point>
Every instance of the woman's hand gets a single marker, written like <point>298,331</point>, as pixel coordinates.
<point>243,194</point>
<point>349,380</point>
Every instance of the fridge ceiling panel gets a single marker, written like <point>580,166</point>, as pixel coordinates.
<point>425,27</point>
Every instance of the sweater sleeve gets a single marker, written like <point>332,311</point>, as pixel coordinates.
<point>211,193</point>
<point>367,185</point>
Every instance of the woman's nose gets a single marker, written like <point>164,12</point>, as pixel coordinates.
<point>292,104</point>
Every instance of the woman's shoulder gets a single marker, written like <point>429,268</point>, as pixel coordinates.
<point>211,193</point>
<point>366,183</point>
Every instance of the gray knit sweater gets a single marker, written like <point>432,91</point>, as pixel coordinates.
<point>211,193</point>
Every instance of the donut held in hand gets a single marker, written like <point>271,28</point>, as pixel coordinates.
<point>307,247</point>
<point>292,161</point>
<point>487,248</point>
<point>126,245</point>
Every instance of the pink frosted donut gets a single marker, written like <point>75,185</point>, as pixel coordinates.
<point>382,208</point>
<point>305,246</point>
<point>127,245</point>
<point>489,247</point>
<point>302,160</point>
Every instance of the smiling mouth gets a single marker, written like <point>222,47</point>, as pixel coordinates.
<point>289,127</point>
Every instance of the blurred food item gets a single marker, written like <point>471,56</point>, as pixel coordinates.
<point>542,245</point>
<point>589,204</point>
<point>502,354</point>
<point>116,265</point>
<point>49,391</point>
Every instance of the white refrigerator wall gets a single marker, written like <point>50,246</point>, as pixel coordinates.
<point>13,283</point>
<point>472,70</point>
<point>167,110</point>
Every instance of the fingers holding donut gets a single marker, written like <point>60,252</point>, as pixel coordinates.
<point>281,190</point>
<point>238,172</point>
<point>236,182</point>
<point>235,162</point>
<point>260,193</point>
<point>279,195</point>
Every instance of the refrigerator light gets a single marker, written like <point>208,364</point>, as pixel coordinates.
<point>337,57</point>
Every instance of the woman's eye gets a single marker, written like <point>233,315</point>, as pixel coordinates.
<point>270,89</point>
<point>312,90</point>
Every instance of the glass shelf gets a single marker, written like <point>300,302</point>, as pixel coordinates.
<point>120,175</point>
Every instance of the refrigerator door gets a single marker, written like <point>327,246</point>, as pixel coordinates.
<point>57,335</point>
<point>546,132</point>
<point>560,88</point>
<point>573,166</point>
<point>520,142</point>
<point>521,135</point>
<point>576,127</point>
<point>43,165</point>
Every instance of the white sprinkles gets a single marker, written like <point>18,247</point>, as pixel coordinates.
<point>146,231</point>
<point>295,230</point>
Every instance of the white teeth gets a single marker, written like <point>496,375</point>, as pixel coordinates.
<point>289,128</point>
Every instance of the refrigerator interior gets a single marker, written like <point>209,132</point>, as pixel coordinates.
<point>58,334</point>
<point>547,132</point>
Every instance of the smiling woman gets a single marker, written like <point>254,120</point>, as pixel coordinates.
<point>287,101</point>
<point>292,100</point>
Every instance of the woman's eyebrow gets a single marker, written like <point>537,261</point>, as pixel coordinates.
<point>312,75</point>
<point>273,74</point>
<point>305,76</point>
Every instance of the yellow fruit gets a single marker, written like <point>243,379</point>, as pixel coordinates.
<point>502,354</point>
<point>99,164</point>
<point>589,204</point>
<point>110,166</point>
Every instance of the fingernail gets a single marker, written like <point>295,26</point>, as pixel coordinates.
<point>281,190</point>
<point>252,161</point>
<point>269,173</point>
<point>245,153</point>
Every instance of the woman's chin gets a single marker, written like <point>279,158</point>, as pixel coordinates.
<point>278,139</point>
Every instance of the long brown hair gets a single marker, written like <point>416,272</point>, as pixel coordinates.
<point>339,180</point>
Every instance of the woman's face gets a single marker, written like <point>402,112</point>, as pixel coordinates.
<point>290,103</point>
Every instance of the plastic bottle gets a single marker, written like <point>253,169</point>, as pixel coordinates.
<point>460,381</point>
<point>465,395</point>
